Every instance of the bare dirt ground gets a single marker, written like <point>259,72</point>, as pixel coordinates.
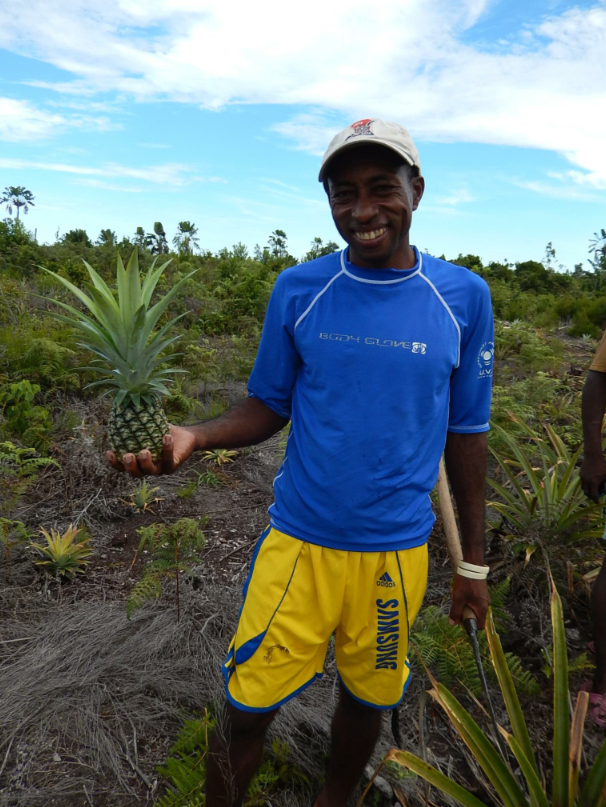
<point>91,702</point>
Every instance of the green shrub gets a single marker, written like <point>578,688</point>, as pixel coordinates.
<point>24,419</point>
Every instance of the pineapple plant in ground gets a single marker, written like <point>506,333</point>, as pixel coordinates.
<point>64,554</point>
<point>120,332</point>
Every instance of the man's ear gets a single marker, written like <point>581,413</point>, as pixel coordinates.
<point>418,189</point>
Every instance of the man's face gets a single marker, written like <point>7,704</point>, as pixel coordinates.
<point>372,196</point>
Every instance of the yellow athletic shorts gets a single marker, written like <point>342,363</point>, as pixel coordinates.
<point>297,595</point>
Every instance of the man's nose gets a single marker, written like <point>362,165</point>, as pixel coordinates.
<point>365,209</point>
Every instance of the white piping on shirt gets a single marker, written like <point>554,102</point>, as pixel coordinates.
<point>280,472</point>
<point>379,282</point>
<point>452,316</point>
<point>468,428</point>
<point>316,298</point>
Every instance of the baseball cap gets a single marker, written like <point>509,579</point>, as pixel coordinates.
<point>391,135</point>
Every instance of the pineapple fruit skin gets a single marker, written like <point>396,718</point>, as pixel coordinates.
<point>135,428</point>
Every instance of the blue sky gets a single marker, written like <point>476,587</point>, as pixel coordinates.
<point>121,113</point>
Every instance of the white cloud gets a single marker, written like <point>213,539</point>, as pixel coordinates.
<point>280,184</point>
<point>295,198</point>
<point>310,131</point>
<point>455,198</point>
<point>591,180</point>
<point>101,184</point>
<point>400,59</point>
<point>170,174</point>
<point>566,190</point>
<point>21,121</point>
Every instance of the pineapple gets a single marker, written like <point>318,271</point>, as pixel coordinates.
<point>120,331</point>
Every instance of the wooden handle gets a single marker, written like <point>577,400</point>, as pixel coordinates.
<point>451,531</point>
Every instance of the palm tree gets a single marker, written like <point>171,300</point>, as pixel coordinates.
<point>19,197</point>
<point>597,248</point>
<point>185,240</point>
<point>319,249</point>
<point>141,239</point>
<point>107,238</point>
<point>157,240</point>
<point>277,244</point>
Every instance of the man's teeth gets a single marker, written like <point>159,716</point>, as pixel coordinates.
<point>372,234</point>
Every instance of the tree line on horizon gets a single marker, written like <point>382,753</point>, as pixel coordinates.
<point>542,292</point>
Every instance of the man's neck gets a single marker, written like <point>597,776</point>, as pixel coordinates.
<point>404,258</point>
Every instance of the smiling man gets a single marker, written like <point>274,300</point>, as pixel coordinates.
<point>381,359</point>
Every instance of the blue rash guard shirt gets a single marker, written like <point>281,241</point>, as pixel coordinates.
<point>372,367</point>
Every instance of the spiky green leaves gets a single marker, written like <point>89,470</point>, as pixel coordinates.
<point>119,329</point>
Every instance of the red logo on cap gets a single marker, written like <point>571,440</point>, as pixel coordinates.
<point>362,126</point>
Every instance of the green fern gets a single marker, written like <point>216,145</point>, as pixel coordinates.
<point>148,588</point>
<point>185,769</point>
<point>47,362</point>
<point>498,598</point>
<point>524,680</point>
<point>578,664</point>
<point>173,549</point>
<point>178,405</point>
<point>446,648</point>
<point>18,471</point>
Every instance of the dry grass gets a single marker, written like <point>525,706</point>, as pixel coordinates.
<point>107,696</point>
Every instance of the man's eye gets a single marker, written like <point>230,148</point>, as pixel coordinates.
<point>384,188</point>
<point>340,195</point>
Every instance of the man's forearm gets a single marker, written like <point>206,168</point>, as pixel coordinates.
<point>465,456</point>
<point>245,424</point>
<point>592,410</point>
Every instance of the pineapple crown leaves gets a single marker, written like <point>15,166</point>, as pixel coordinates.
<point>119,331</point>
<point>64,554</point>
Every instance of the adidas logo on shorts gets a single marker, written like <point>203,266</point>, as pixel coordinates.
<point>386,581</point>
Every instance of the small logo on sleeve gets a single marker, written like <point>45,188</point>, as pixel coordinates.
<point>485,359</point>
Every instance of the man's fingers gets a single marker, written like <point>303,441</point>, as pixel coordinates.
<point>480,615</point>
<point>472,595</point>
<point>168,458</point>
<point>147,465</point>
<point>456,612</point>
<point>114,461</point>
<point>591,488</point>
<point>142,464</point>
<point>131,466</point>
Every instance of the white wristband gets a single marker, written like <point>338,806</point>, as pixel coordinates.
<point>472,567</point>
<point>472,571</point>
<point>472,575</point>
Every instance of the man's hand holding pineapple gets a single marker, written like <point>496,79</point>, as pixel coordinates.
<point>177,446</point>
<point>248,423</point>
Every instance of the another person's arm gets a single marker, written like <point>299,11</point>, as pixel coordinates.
<point>593,468</point>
